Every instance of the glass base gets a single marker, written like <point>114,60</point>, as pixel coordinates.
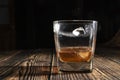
<point>75,66</point>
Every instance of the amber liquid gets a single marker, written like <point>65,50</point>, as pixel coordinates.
<point>75,54</point>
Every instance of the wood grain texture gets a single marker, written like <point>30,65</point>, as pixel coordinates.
<point>38,67</point>
<point>9,66</point>
<point>41,64</point>
<point>106,66</point>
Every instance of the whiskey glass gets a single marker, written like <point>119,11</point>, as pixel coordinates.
<point>75,42</point>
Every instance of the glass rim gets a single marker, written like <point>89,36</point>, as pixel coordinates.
<point>77,21</point>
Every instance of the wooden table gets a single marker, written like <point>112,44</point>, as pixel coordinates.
<point>40,64</point>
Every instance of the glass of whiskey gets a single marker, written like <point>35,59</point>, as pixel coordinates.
<point>75,44</point>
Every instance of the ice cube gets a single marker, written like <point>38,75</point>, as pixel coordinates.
<point>79,31</point>
<point>85,55</point>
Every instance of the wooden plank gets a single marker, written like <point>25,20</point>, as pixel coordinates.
<point>38,67</point>
<point>4,55</point>
<point>104,69</point>
<point>6,63</point>
<point>41,65</point>
<point>108,67</point>
<point>26,65</point>
<point>9,66</point>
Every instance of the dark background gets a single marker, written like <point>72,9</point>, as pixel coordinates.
<point>31,21</point>
<point>34,19</point>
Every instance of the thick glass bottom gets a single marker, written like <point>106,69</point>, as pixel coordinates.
<point>75,66</point>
